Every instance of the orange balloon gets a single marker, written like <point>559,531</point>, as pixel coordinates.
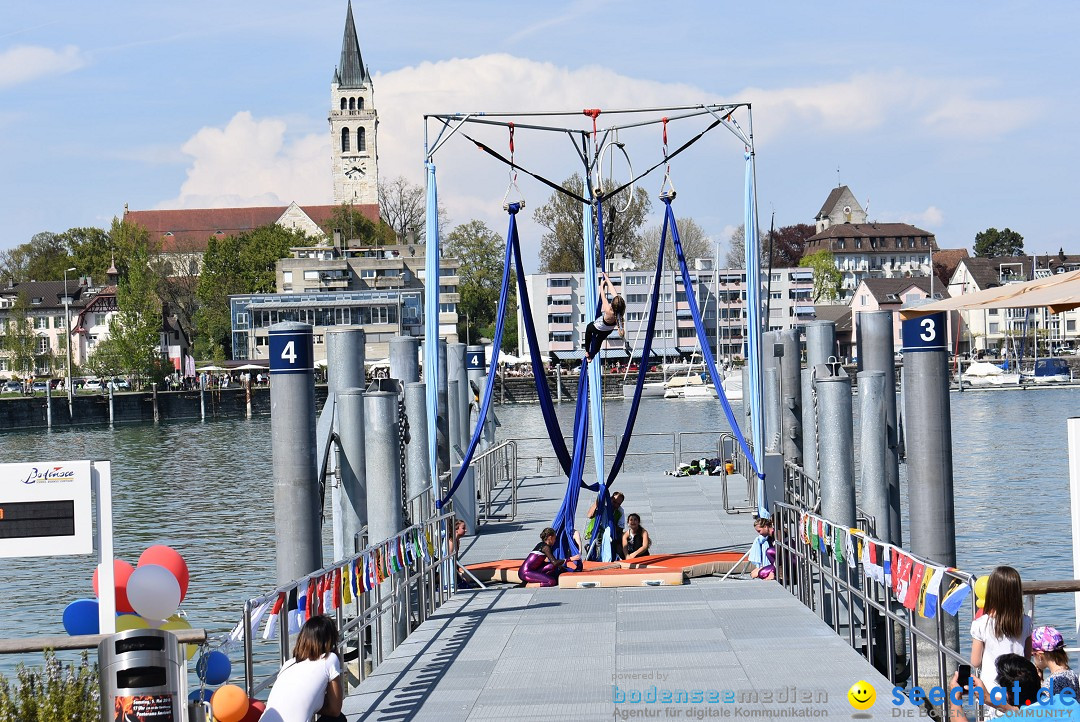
<point>169,558</point>
<point>229,703</point>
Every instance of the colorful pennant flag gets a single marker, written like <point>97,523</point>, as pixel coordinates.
<point>955,597</point>
<point>914,587</point>
<point>931,593</point>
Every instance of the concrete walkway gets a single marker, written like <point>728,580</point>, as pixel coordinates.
<point>707,649</point>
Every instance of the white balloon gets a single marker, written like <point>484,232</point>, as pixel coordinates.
<point>153,592</point>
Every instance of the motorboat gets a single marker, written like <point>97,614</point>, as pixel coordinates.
<point>1050,371</point>
<point>689,386</point>
<point>983,373</point>
<point>733,387</point>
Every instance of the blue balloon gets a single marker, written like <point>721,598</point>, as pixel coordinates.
<point>214,668</point>
<point>200,695</point>
<point>81,617</point>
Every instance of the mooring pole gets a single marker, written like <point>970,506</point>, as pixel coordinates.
<point>476,365</point>
<point>836,447</point>
<point>791,396</point>
<point>405,360</point>
<point>872,435</point>
<point>874,335</point>
<point>927,421</point>
<point>772,407</point>
<point>465,497</point>
<point>384,500</point>
<point>48,405</point>
<point>418,464</point>
<point>297,503</point>
<point>345,347</point>
<point>350,501</point>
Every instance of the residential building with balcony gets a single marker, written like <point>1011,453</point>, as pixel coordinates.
<point>558,302</point>
<point>990,329</point>
<point>381,289</point>
<point>50,326</point>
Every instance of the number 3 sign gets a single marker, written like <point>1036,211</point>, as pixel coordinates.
<point>291,350</point>
<point>926,333</point>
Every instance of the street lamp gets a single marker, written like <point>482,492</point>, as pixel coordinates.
<point>67,333</point>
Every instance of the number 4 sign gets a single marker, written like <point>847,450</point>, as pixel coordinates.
<point>926,333</point>
<point>291,350</point>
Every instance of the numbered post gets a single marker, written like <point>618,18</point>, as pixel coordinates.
<point>927,420</point>
<point>292,430</point>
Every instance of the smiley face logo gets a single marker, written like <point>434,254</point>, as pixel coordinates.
<point>861,695</point>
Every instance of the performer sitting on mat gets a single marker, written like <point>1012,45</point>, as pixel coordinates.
<point>611,318</point>
<point>541,566</point>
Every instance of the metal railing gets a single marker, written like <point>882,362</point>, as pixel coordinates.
<point>417,591</point>
<point>496,473</point>
<point>670,447</point>
<point>727,449</point>
<point>896,640</point>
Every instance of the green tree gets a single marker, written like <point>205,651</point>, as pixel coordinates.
<point>19,340</point>
<point>357,228</point>
<point>43,258</point>
<point>827,277</point>
<point>135,331</point>
<point>91,251</point>
<point>107,358</point>
<point>482,252</point>
<point>992,242</point>
<point>561,244</point>
<point>695,244</point>
<point>244,263</point>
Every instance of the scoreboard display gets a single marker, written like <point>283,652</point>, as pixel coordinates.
<point>46,509</point>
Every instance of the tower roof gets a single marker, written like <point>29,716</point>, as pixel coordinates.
<point>351,72</point>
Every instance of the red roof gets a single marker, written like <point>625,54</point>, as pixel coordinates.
<point>189,229</point>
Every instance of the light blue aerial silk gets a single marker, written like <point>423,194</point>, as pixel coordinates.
<point>754,395</point>
<point>431,327</point>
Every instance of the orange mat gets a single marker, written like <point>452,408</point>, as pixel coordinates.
<point>661,566</point>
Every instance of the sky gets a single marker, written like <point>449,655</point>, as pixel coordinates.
<point>954,117</point>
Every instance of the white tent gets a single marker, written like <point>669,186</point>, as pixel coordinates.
<point>1059,292</point>
<point>509,358</point>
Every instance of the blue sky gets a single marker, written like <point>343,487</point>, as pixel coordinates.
<point>950,116</point>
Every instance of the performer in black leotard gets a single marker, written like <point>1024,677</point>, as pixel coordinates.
<point>610,319</point>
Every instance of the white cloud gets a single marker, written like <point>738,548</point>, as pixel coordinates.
<point>932,217</point>
<point>254,160</point>
<point>23,63</point>
<point>251,162</point>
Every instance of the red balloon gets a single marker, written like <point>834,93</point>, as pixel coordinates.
<point>255,711</point>
<point>170,559</point>
<point>121,572</point>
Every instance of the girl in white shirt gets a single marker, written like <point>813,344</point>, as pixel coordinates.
<point>310,682</point>
<point>1003,628</point>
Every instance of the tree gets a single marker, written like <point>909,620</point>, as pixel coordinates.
<point>403,206</point>
<point>736,255</point>
<point>355,226</point>
<point>482,252</point>
<point>91,251</point>
<point>992,242</point>
<point>245,263</point>
<point>43,258</point>
<point>135,331</point>
<point>827,277</point>
<point>789,244</point>
<point>695,244</point>
<point>19,340</point>
<point>561,246</point>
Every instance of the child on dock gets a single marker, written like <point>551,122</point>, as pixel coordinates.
<point>635,540</point>
<point>611,318</point>
<point>763,553</point>
<point>310,682</point>
<point>1004,628</point>
<point>1048,647</point>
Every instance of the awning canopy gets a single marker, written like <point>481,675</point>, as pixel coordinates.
<point>1058,292</point>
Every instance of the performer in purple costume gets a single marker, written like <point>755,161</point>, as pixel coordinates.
<point>541,566</point>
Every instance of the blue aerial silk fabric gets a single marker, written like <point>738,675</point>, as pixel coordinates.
<point>431,327</point>
<point>755,394</point>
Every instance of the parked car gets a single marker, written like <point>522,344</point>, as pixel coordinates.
<point>93,385</point>
<point>120,384</point>
<point>39,387</point>
<point>11,387</point>
<point>55,383</point>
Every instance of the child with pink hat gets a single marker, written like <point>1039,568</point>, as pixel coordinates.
<point>1048,652</point>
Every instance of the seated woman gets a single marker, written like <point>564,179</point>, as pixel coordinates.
<point>310,682</point>
<point>541,566</point>
<point>635,540</point>
<point>611,318</point>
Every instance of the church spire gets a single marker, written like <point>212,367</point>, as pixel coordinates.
<point>351,72</point>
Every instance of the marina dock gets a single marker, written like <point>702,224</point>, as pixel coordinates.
<point>711,648</point>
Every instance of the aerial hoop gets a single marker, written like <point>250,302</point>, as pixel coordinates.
<point>605,151</point>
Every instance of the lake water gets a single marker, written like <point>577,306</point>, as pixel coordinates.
<point>207,490</point>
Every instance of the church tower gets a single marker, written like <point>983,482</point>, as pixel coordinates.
<point>353,124</point>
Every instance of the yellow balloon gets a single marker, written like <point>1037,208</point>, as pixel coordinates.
<point>130,621</point>
<point>979,603</point>
<point>980,586</point>
<point>179,623</point>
